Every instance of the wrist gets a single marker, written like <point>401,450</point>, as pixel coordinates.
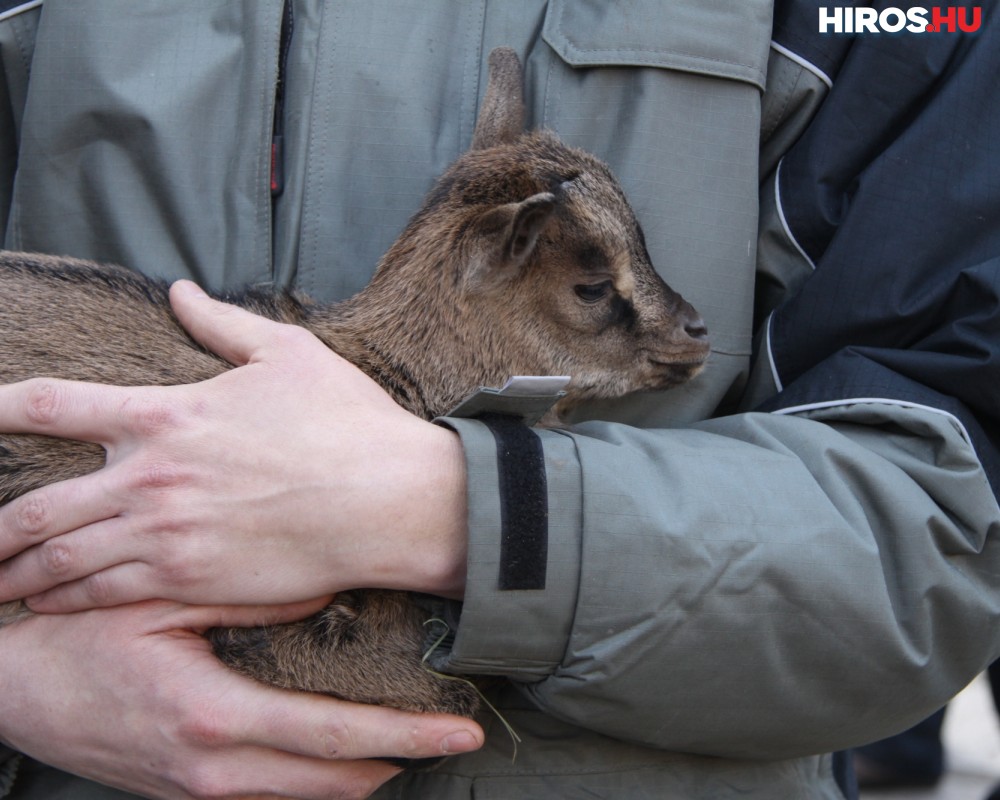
<point>429,514</point>
<point>444,569</point>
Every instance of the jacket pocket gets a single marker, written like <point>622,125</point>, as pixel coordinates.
<point>713,37</point>
<point>150,138</point>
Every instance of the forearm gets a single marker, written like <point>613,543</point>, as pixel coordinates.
<point>760,586</point>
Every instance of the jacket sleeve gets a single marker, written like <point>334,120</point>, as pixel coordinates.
<point>821,571</point>
<point>762,585</point>
<point>165,171</point>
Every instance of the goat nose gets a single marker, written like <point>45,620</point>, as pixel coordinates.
<point>695,328</point>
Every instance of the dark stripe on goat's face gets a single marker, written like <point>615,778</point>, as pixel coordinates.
<point>593,259</point>
<point>621,313</point>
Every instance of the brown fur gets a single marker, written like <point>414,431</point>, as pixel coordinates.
<point>524,260</point>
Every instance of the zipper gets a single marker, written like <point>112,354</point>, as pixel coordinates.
<point>278,129</point>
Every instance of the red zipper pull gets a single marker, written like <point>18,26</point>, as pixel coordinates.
<point>277,165</point>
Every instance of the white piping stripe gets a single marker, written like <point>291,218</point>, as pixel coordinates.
<point>770,354</point>
<point>803,63</point>
<point>19,9</point>
<point>784,222</point>
<point>881,401</point>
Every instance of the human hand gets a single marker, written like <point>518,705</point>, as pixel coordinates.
<point>133,697</point>
<point>290,477</point>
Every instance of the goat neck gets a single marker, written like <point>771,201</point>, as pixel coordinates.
<point>413,341</point>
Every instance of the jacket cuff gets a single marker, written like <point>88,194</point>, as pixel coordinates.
<point>521,592</point>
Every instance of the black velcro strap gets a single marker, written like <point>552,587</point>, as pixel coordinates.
<point>524,505</point>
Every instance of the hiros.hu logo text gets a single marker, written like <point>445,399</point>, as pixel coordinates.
<point>950,19</point>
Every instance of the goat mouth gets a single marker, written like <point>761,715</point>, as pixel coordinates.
<point>693,359</point>
<point>676,369</point>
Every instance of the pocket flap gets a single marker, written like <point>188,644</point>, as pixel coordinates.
<point>713,37</point>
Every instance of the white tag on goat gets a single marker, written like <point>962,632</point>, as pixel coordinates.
<point>528,397</point>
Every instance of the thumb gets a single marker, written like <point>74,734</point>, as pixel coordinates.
<point>227,330</point>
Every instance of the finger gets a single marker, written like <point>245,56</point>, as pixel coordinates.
<point>102,587</point>
<point>200,618</point>
<point>228,330</point>
<point>54,510</point>
<point>323,727</point>
<point>128,579</point>
<point>59,562</point>
<point>67,409</point>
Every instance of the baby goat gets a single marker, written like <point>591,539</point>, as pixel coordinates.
<point>525,259</point>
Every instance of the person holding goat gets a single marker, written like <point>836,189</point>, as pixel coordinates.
<point>726,583</point>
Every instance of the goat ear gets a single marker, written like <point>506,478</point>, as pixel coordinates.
<point>501,117</point>
<point>506,237</point>
<point>529,220</point>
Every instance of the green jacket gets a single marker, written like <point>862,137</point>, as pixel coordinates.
<point>731,596</point>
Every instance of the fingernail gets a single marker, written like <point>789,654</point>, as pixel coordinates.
<point>190,287</point>
<point>459,742</point>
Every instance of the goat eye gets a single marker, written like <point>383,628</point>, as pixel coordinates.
<point>593,292</point>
